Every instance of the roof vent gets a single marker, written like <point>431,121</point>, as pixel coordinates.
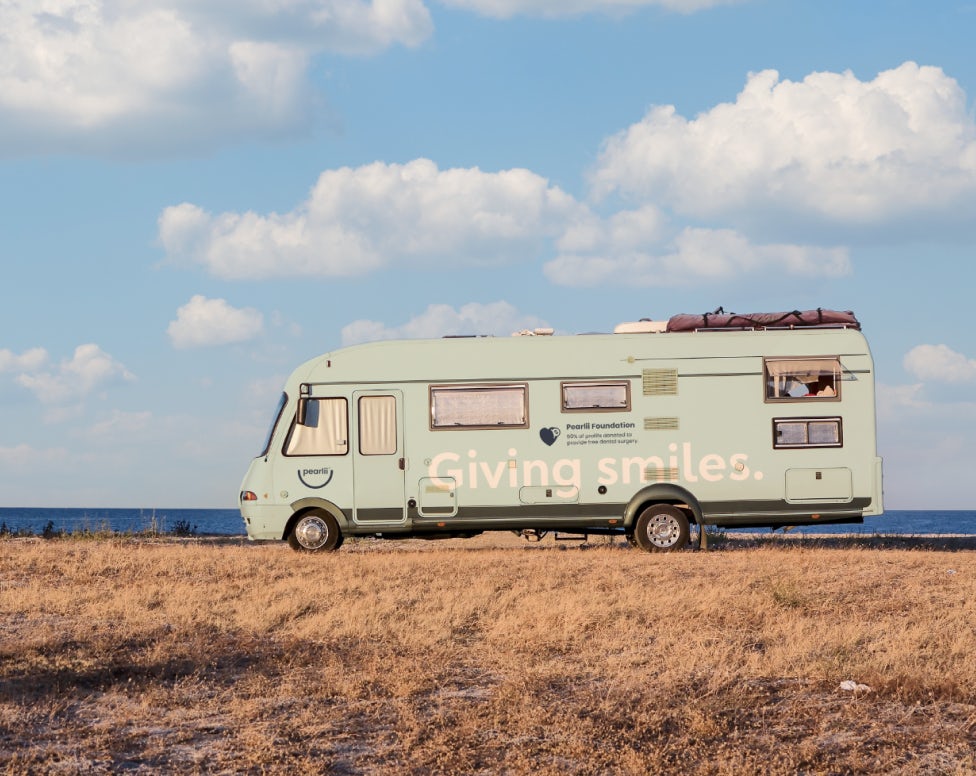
<point>644,326</point>
<point>533,333</point>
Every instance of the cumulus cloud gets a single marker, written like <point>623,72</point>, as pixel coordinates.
<point>28,361</point>
<point>504,9</point>
<point>89,369</point>
<point>895,400</point>
<point>441,320</point>
<point>99,76</point>
<point>940,363</point>
<point>357,220</point>
<point>832,146</point>
<point>602,257</point>
<point>202,322</point>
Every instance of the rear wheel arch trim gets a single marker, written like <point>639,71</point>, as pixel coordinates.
<point>662,494</point>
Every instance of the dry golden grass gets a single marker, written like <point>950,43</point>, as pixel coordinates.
<point>486,657</point>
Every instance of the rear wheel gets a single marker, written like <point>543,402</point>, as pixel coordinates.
<point>661,528</point>
<point>315,532</point>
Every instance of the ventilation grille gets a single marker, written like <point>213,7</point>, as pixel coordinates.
<point>660,382</point>
<point>660,474</point>
<point>660,424</point>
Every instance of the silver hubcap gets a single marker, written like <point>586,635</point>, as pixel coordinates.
<point>312,532</point>
<point>663,530</point>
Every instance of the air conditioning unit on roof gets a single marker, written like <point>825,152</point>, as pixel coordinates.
<point>640,327</point>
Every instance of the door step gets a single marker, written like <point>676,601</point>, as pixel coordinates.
<point>573,537</point>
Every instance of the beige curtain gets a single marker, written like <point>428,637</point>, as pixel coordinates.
<point>325,431</point>
<point>377,425</point>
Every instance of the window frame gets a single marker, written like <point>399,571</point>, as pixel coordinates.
<point>433,389</point>
<point>570,384</point>
<point>837,372</point>
<point>837,419</point>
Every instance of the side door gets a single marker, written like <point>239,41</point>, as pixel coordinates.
<point>379,461</point>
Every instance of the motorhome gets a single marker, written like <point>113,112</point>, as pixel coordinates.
<point>649,432</point>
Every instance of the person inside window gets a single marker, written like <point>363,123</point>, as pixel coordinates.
<point>822,386</point>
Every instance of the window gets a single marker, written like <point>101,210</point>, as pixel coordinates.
<point>588,397</point>
<point>274,423</point>
<point>807,432</point>
<point>483,406</point>
<point>802,379</point>
<point>377,425</point>
<point>324,431</point>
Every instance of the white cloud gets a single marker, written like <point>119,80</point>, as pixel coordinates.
<point>357,220</point>
<point>23,457</point>
<point>120,425</point>
<point>504,9</point>
<point>101,76</point>
<point>202,322</point>
<point>441,320</point>
<point>603,257</point>
<point>28,361</point>
<point>89,369</point>
<point>831,146</point>
<point>940,363</point>
<point>894,400</point>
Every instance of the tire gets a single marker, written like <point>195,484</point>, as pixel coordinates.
<point>315,531</point>
<point>661,528</point>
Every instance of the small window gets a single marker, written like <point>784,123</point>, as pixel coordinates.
<point>377,425</point>
<point>807,432</point>
<point>601,397</point>
<point>802,379</point>
<point>483,406</point>
<point>325,429</point>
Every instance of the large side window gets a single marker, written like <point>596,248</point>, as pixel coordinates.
<point>807,432</point>
<point>377,425</point>
<point>325,430</point>
<point>479,406</point>
<point>802,379</point>
<point>596,396</point>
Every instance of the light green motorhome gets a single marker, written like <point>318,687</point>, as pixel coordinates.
<point>720,420</point>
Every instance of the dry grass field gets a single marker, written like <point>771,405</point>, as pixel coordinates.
<point>486,657</point>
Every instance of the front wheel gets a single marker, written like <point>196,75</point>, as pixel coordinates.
<point>661,528</point>
<point>315,532</point>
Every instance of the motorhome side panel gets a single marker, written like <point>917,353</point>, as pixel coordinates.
<point>468,435</point>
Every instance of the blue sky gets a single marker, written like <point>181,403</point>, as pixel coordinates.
<point>197,197</point>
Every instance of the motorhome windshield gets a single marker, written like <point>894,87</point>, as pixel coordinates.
<point>274,422</point>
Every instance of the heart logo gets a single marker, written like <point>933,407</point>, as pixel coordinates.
<point>549,435</point>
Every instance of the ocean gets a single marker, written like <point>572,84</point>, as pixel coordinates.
<point>198,522</point>
<point>228,522</point>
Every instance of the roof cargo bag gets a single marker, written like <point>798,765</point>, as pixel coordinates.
<point>723,320</point>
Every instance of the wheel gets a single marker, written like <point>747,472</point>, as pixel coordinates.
<point>661,528</point>
<point>315,532</point>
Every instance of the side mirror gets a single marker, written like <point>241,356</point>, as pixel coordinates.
<point>302,410</point>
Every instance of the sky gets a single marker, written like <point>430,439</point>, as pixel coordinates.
<point>197,197</point>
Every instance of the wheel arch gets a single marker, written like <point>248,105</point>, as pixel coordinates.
<point>662,493</point>
<point>304,505</point>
